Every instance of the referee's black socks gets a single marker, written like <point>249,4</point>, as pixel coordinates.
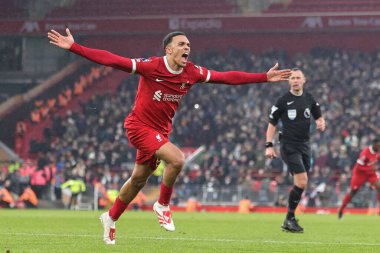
<point>294,198</point>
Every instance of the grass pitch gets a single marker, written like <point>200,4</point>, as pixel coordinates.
<point>81,231</point>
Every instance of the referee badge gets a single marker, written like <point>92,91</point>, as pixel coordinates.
<point>307,113</point>
<point>292,114</point>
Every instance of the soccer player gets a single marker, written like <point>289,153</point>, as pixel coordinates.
<point>364,171</point>
<point>163,83</point>
<point>295,109</point>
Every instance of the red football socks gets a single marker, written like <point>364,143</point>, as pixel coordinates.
<point>117,209</point>
<point>346,200</point>
<point>165,195</point>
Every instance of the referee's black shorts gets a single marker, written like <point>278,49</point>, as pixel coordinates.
<point>296,156</point>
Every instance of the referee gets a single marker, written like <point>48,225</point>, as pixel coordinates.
<point>294,109</point>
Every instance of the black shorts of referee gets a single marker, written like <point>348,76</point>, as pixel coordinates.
<point>296,155</point>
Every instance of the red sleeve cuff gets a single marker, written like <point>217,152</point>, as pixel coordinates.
<point>263,77</point>
<point>74,48</point>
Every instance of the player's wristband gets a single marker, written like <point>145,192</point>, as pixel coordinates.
<point>268,144</point>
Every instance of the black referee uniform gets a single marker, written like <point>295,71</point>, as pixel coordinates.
<point>295,113</point>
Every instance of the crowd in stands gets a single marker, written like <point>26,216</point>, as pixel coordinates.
<point>19,186</point>
<point>45,106</point>
<point>132,8</point>
<point>231,123</point>
<point>128,8</point>
<point>19,9</point>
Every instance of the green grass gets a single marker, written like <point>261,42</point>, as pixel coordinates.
<point>80,231</point>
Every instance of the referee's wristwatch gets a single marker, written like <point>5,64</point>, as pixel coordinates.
<point>268,144</point>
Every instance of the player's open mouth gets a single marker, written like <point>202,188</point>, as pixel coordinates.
<point>185,56</point>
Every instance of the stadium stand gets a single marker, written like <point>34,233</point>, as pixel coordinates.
<point>305,6</point>
<point>14,9</point>
<point>21,9</point>
<point>126,8</point>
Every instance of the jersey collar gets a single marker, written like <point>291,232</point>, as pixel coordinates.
<point>296,95</point>
<point>170,69</point>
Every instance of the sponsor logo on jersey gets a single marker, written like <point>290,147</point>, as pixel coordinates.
<point>166,97</point>
<point>289,103</point>
<point>172,98</point>
<point>292,114</point>
<point>157,95</point>
<point>306,113</point>
<point>158,137</point>
<point>159,80</point>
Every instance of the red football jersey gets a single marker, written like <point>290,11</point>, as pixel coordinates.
<point>367,159</point>
<point>161,89</point>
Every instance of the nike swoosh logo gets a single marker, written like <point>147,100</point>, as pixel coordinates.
<point>289,103</point>
<point>159,80</point>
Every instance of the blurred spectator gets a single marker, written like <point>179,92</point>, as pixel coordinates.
<point>193,205</point>
<point>28,198</point>
<point>6,197</point>
<point>245,205</point>
<point>76,187</point>
<point>139,201</point>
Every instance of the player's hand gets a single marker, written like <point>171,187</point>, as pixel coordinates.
<point>59,40</point>
<point>321,124</point>
<point>274,75</point>
<point>270,153</point>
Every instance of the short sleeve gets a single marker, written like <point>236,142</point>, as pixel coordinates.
<point>275,113</point>
<point>315,109</point>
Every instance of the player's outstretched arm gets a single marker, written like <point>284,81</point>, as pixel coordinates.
<point>275,75</point>
<point>61,41</point>
<point>99,56</point>
<point>238,77</point>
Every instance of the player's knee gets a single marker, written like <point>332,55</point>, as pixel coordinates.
<point>353,192</point>
<point>302,185</point>
<point>301,182</point>
<point>178,162</point>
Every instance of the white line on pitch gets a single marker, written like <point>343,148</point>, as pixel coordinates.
<point>198,239</point>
